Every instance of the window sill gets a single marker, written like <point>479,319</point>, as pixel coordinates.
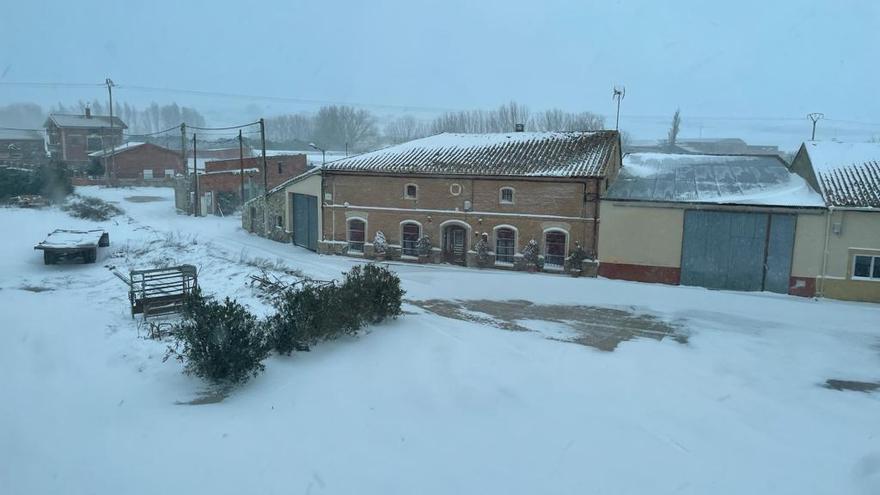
<point>554,268</point>
<point>504,264</point>
<point>865,279</point>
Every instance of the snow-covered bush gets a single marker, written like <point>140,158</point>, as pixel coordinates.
<point>91,208</point>
<point>380,245</point>
<point>222,343</point>
<point>531,254</point>
<point>423,245</point>
<point>577,256</point>
<point>482,248</point>
<point>317,311</point>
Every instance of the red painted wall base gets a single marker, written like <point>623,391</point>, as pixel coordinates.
<point>641,273</point>
<point>802,286</point>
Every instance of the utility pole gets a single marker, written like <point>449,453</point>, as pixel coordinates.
<point>183,147</point>
<point>265,178</point>
<point>195,180</point>
<point>815,117</point>
<point>618,94</point>
<point>241,165</point>
<point>109,83</point>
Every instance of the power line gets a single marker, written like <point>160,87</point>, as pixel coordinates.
<point>229,128</point>
<point>52,84</point>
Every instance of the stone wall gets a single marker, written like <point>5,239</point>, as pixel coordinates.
<point>272,226</point>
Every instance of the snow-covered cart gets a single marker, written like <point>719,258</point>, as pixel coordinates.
<point>71,244</point>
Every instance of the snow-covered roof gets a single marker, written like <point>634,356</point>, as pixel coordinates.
<point>92,121</point>
<point>20,135</point>
<point>116,150</point>
<point>311,171</point>
<point>234,171</point>
<point>547,154</point>
<point>848,174</point>
<point>723,179</point>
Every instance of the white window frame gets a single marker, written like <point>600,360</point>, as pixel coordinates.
<point>419,224</point>
<point>875,260</point>
<point>455,189</point>
<point>544,246</point>
<point>406,191</point>
<point>495,243</point>
<point>169,172</point>
<point>148,174</point>
<point>512,195</point>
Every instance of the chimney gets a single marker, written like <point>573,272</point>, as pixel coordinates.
<point>520,127</point>
<point>88,113</point>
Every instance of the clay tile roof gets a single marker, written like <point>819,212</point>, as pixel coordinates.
<point>848,174</point>
<point>534,154</point>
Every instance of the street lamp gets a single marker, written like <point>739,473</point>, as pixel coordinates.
<point>323,153</point>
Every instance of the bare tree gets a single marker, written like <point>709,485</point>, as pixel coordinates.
<point>341,126</point>
<point>506,117</point>
<point>405,128</point>
<point>674,128</point>
<point>556,120</point>
<point>290,127</point>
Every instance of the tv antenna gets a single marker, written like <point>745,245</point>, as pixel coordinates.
<point>618,93</point>
<point>815,117</point>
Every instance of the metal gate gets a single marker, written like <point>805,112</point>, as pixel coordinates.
<point>737,251</point>
<point>305,221</point>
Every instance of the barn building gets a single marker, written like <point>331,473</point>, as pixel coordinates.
<point>139,163</point>
<point>848,177</point>
<point>455,190</point>
<point>738,222</point>
<point>22,148</point>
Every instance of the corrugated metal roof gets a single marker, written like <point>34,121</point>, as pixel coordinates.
<point>65,120</point>
<point>848,173</point>
<point>21,135</point>
<point>535,154</point>
<point>115,151</point>
<point>721,179</point>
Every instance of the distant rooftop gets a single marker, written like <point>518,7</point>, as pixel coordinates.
<point>21,135</point>
<point>115,151</point>
<point>720,179</point>
<point>82,121</point>
<point>848,174</point>
<point>535,154</point>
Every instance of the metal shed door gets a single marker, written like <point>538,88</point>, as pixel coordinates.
<point>723,250</point>
<point>305,221</point>
<point>737,251</point>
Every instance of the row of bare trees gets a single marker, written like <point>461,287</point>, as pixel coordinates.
<point>335,127</point>
<point>152,118</point>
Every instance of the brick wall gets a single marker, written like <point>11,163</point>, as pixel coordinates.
<point>130,164</point>
<point>538,205</point>
<point>280,168</point>
<point>74,142</point>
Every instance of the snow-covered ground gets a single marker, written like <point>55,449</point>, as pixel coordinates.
<point>426,403</point>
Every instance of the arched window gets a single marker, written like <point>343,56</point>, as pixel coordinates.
<point>410,233</point>
<point>357,233</point>
<point>505,245</point>
<point>555,242</point>
<point>411,191</point>
<point>506,195</point>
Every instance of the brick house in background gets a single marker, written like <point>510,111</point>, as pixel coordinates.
<point>456,189</point>
<point>22,148</point>
<point>139,163</point>
<point>72,137</point>
<point>220,184</point>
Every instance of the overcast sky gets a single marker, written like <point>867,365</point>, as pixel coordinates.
<point>734,59</point>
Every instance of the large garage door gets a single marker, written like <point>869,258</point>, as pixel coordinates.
<point>305,221</point>
<point>737,251</point>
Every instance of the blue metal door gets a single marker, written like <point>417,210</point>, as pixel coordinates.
<point>780,246</point>
<point>305,221</point>
<point>724,250</point>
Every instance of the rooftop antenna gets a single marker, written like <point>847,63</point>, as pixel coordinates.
<point>815,117</point>
<point>618,94</point>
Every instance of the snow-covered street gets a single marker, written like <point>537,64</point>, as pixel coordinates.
<point>731,401</point>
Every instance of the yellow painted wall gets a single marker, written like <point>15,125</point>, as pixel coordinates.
<point>311,185</point>
<point>640,235</point>
<point>809,240</point>
<point>859,234</point>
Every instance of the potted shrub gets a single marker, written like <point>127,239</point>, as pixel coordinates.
<point>424,248</point>
<point>380,246</point>
<point>531,257</point>
<point>576,260</point>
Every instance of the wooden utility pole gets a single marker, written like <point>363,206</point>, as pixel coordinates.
<point>815,117</point>
<point>241,165</point>
<point>109,84</point>
<point>183,147</point>
<point>195,180</point>
<point>265,178</point>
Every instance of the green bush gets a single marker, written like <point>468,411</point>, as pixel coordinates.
<point>315,312</point>
<point>219,342</point>
<point>51,181</point>
<point>92,209</point>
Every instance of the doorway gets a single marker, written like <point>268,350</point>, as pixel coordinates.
<point>455,244</point>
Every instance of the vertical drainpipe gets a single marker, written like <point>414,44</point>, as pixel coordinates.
<point>596,220</point>
<point>821,291</point>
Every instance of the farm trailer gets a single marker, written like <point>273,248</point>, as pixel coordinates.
<point>67,244</point>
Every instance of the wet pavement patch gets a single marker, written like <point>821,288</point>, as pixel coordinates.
<point>143,199</point>
<point>35,288</point>
<point>598,327</point>
<point>856,386</point>
<point>206,397</point>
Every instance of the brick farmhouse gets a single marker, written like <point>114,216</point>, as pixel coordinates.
<point>72,137</point>
<point>456,190</point>
<point>19,147</point>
